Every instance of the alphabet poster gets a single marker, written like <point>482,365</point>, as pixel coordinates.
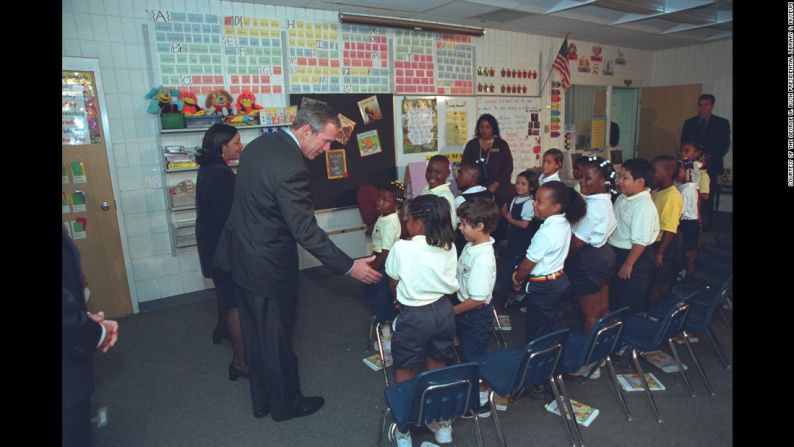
<point>420,125</point>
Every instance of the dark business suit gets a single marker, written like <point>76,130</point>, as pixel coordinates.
<point>714,138</point>
<point>272,210</point>
<point>79,337</point>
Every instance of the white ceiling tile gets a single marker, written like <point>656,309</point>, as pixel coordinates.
<point>460,9</point>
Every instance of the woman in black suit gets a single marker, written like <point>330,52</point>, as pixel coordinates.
<point>214,194</point>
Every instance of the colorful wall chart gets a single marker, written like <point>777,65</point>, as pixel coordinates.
<point>413,62</point>
<point>313,57</point>
<point>455,65</point>
<point>252,50</point>
<point>457,132</point>
<point>514,116</point>
<point>365,67</point>
<point>188,49</point>
<point>420,125</point>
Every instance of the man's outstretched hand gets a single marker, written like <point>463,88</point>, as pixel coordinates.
<point>363,272</point>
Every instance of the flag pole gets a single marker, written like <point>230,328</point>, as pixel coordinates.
<point>551,70</point>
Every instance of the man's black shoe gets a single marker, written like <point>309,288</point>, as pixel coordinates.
<point>303,407</point>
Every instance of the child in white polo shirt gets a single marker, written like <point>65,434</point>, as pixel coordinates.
<point>476,277</point>
<point>436,174</point>
<point>421,271</point>
<point>638,226</point>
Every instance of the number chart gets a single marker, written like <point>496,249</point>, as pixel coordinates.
<point>455,64</point>
<point>413,62</point>
<point>365,67</point>
<point>252,51</point>
<point>313,57</point>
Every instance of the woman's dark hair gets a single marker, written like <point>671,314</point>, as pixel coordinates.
<point>557,154</point>
<point>607,171</point>
<point>532,179</point>
<point>639,169</point>
<point>572,203</point>
<point>491,120</point>
<point>211,150</point>
<point>434,212</point>
<point>397,188</point>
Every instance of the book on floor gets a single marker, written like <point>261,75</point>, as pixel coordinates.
<point>373,361</point>
<point>631,382</point>
<point>500,402</point>
<point>662,360</point>
<point>585,414</point>
<point>504,321</point>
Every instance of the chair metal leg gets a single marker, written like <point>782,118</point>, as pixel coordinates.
<point>645,386</point>
<point>565,411</point>
<point>498,333</point>
<point>381,354</point>
<point>718,347</point>
<point>698,365</point>
<point>496,422</point>
<point>384,427</point>
<point>621,397</point>
<point>725,319</point>
<point>677,359</point>
<point>370,334</point>
<point>569,406</point>
<point>477,427</point>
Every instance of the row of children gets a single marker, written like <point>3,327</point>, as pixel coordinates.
<point>579,238</point>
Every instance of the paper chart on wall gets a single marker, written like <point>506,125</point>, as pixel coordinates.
<point>420,125</point>
<point>253,54</point>
<point>413,62</point>
<point>514,116</point>
<point>454,65</point>
<point>188,50</point>
<point>457,132</point>
<point>366,64</point>
<point>313,57</point>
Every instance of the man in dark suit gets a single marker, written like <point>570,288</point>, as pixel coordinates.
<point>713,135</point>
<point>273,210</point>
<point>82,334</point>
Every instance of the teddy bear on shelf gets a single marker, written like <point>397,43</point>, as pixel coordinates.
<point>219,102</point>
<point>190,106</point>
<point>160,100</point>
<point>246,103</point>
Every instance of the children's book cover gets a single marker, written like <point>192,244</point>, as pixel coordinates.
<point>631,382</point>
<point>500,402</point>
<point>662,360</point>
<point>504,321</point>
<point>585,414</point>
<point>373,361</point>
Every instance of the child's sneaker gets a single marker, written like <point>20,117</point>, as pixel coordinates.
<point>402,439</point>
<point>442,430</point>
<point>483,412</point>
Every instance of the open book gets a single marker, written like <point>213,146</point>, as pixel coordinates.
<point>373,361</point>
<point>631,382</point>
<point>662,360</point>
<point>585,414</point>
<point>504,321</point>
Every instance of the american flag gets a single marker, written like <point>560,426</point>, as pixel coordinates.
<point>561,64</point>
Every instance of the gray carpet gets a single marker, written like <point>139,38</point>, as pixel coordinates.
<point>165,384</point>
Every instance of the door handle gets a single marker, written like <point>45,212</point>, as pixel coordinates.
<point>105,206</point>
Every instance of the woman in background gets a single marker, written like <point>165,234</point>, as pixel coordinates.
<point>214,194</point>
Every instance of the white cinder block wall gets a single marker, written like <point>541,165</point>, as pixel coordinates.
<point>111,31</point>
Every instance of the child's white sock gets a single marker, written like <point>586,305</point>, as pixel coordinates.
<point>483,397</point>
<point>386,330</point>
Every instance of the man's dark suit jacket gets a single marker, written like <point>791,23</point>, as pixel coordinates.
<point>272,211</point>
<point>714,141</point>
<point>80,334</point>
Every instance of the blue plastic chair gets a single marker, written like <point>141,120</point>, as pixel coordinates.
<point>510,371</point>
<point>436,395</point>
<point>595,347</point>
<point>644,334</point>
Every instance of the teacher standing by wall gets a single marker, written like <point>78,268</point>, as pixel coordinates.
<point>494,153</point>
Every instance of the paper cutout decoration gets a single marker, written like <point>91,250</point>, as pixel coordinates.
<point>78,201</point>
<point>369,143</point>
<point>336,164</point>
<point>78,226</point>
<point>64,175</point>
<point>78,171</point>
<point>346,130</point>
<point>370,109</point>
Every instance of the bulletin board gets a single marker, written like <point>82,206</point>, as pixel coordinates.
<point>365,165</point>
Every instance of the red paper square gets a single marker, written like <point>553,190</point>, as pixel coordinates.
<point>335,63</point>
<point>276,89</point>
<point>266,89</point>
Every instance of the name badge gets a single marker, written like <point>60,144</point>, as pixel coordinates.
<point>494,149</point>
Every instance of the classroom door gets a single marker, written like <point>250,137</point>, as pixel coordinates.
<point>663,111</point>
<point>89,209</point>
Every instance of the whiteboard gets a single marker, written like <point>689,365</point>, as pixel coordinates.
<point>514,116</point>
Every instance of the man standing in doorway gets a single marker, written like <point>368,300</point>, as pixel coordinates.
<point>712,134</point>
<point>271,212</point>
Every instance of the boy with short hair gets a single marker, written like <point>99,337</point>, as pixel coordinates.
<point>436,174</point>
<point>667,248</point>
<point>468,181</point>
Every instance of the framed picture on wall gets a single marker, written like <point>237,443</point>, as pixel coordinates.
<point>336,164</point>
<point>616,156</point>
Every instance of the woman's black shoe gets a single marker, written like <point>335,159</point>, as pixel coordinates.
<point>218,334</point>
<point>235,372</point>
